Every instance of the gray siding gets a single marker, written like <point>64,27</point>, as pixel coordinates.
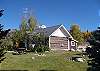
<point>58,43</point>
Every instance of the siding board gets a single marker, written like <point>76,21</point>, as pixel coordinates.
<point>58,42</point>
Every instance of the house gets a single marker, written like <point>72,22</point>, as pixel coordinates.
<point>59,37</point>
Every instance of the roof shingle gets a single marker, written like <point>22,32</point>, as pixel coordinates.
<point>46,31</point>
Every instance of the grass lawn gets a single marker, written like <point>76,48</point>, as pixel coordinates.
<point>53,61</point>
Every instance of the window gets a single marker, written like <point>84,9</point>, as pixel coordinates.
<point>72,43</point>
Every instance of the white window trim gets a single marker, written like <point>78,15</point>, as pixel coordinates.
<point>72,43</point>
<point>68,45</point>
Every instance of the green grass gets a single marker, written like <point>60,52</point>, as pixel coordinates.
<point>52,61</point>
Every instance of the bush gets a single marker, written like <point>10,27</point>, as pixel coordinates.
<point>46,48</point>
<point>41,48</point>
<point>41,43</point>
<point>9,48</point>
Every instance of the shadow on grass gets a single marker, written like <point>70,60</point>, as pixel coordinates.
<point>47,70</point>
<point>93,69</point>
<point>13,70</point>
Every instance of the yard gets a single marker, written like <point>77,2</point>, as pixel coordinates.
<point>53,61</point>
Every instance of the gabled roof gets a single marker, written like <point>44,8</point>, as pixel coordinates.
<point>49,30</point>
<point>46,31</point>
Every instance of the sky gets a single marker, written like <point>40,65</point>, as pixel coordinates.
<point>85,13</point>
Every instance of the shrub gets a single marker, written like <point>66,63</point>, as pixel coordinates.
<point>41,43</point>
<point>41,48</point>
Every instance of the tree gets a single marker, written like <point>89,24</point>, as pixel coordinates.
<point>94,51</point>
<point>76,33</point>
<point>21,36</point>
<point>3,34</point>
<point>23,31</point>
<point>16,38</point>
<point>86,35</point>
<point>41,43</point>
<point>23,27</point>
<point>32,23</point>
<point>1,12</point>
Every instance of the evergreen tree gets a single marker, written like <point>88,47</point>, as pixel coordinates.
<point>3,34</point>
<point>94,52</point>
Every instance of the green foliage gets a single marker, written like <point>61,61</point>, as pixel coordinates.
<point>20,36</point>
<point>86,35</point>
<point>2,53</point>
<point>94,52</point>
<point>41,48</point>
<point>3,34</point>
<point>23,27</point>
<point>7,43</point>
<point>27,26</point>
<point>16,36</point>
<point>32,23</point>
<point>76,33</point>
<point>41,43</point>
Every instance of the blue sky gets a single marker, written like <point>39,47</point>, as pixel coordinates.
<point>53,12</point>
